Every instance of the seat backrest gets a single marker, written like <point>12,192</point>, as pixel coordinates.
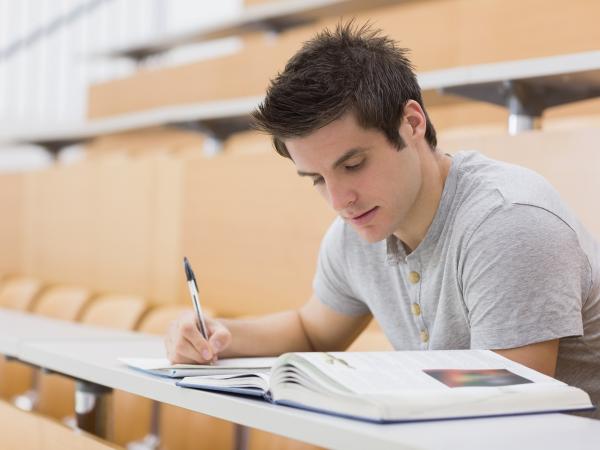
<point>19,292</point>
<point>112,311</point>
<point>157,320</point>
<point>115,311</point>
<point>30,431</point>
<point>62,302</point>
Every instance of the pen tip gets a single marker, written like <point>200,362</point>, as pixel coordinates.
<point>188,269</point>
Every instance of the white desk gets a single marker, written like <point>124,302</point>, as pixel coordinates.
<point>18,327</point>
<point>97,362</point>
<point>219,118</point>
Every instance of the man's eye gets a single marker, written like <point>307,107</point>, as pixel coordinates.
<point>317,180</point>
<point>351,167</point>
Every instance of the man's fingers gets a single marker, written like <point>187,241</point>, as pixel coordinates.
<point>189,330</point>
<point>191,352</point>
<point>185,344</point>
<point>184,352</point>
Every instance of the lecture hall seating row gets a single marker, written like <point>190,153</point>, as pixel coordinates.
<point>52,395</point>
<point>56,393</point>
<point>503,28</point>
<point>121,220</point>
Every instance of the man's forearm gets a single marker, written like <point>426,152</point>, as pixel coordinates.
<point>269,335</point>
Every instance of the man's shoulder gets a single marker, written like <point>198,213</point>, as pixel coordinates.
<point>485,185</point>
<point>479,176</point>
<point>493,198</point>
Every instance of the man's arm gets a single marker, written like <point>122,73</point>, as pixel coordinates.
<point>313,327</point>
<point>541,356</point>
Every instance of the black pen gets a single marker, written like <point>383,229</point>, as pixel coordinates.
<point>193,287</point>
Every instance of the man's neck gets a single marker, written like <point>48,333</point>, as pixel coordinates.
<point>434,178</point>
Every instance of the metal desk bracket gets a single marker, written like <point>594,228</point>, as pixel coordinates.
<point>93,408</point>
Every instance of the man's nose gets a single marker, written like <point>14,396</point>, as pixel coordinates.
<point>340,196</point>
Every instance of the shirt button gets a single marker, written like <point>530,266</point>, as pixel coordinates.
<point>414,277</point>
<point>424,336</point>
<point>416,309</point>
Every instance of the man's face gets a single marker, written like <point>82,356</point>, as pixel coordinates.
<point>370,183</point>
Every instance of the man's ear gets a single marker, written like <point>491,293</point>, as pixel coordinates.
<point>415,117</point>
<point>413,121</point>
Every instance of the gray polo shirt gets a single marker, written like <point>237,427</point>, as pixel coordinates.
<point>503,264</point>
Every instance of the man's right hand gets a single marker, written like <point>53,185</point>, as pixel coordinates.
<point>185,345</point>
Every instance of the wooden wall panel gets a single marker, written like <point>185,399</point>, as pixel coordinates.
<point>247,143</point>
<point>477,118</point>
<point>446,33</point>
<point>12,195</point>
<point>112,225</point>
<point>252,230</point>
<point>165,285</point>
<point>141,143</point>
<point>123,220</point>
<point>250,226</point>
<point>59,221</point>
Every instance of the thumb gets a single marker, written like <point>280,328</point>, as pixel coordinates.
<point>220,337</point>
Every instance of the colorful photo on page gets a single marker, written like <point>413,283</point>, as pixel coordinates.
<point>484,377</point>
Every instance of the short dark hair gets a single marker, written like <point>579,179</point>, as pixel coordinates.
<point>352,68</point>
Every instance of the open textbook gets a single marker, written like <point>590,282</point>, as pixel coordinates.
<point>402,385</point>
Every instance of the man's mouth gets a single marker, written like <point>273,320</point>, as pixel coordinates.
<point>364,218</point>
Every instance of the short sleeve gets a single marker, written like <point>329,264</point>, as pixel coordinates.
<point>524,276</point>
<point>331,283</point>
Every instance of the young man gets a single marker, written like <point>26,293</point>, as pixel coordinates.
<point>445,253</point>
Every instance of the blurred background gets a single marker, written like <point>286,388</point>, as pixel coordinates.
<point>125,144</point>
<point>48,54</point>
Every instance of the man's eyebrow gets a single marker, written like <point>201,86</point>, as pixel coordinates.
<point>341,160</point>
<point>307,174</point>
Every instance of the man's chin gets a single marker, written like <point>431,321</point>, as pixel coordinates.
<point>370,234</point>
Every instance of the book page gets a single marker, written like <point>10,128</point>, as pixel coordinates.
<point>380,372</point>
<point>230,363</point>
<point>162,366</point>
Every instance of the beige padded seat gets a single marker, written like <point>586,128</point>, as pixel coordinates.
<point>57,302</point>
<point>19,292</point>
<point>122,312</point>
<point>112,311</point>
<point>62,302</point>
